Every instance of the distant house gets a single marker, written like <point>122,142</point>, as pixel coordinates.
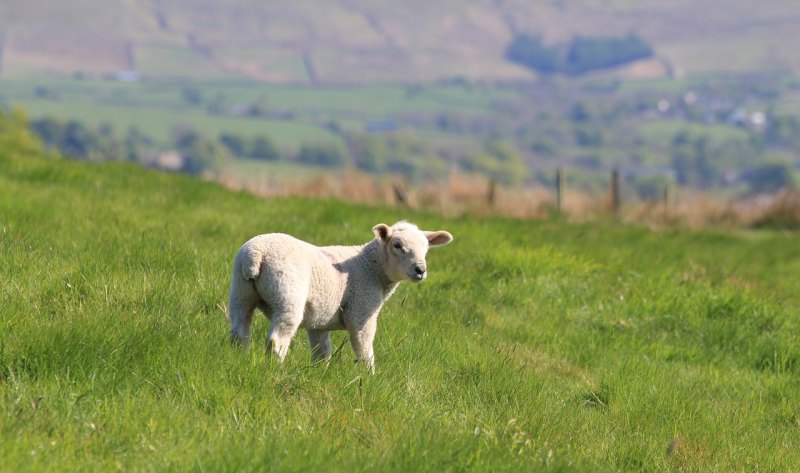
<point>170,160</point>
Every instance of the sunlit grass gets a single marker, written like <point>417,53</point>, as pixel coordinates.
<point>532,346</point>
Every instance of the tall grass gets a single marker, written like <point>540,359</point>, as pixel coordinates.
<point>534,345</point>
<point>463,194</point>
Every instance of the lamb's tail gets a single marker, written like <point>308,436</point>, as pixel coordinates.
<point>250,259</point>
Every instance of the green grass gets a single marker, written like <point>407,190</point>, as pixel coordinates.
<point>532,346</point>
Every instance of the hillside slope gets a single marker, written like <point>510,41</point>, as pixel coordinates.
<point>358,40</point>
<point>532,345</point>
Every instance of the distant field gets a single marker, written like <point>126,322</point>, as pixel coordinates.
<point>155,108</point>
<point>660,133</point>
<point>537,345</point>
<point>158,123</point>
<point>449,121</point>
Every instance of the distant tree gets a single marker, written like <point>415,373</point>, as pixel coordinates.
<point>203,156</point>
<point>499,160</point>
<point>769,178</point>
<point>257,109</point>
<point>588,136</point>
<point>451,122</point>
<point>106,129</point>
<point>184,137</point>
<point>199,154</point>
<point>369,152</point>
<point>582,54</point>
<point>16,136</point>
<point>395,153</point>
<point>582,112</point>
<point>783,132</point>
<point>263,148</point>
<point>45,93</point>
<point>533,54</point>
<point>236,144</point>
<point>136,144</point>
<point>586,54</point>
<point>328,155</point>
<point>411,157</point>
<point>544,146</point>
<point>691,160</point>
<point>50,130</point>
<point>192,95</point>
<point>77,140</point>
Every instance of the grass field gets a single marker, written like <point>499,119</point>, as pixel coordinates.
<point>532,346</point>
<point>155,108</point>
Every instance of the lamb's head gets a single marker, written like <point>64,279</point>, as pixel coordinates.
<point>404,247</point>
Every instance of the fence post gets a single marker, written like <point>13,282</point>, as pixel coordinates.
<point>490,194</point>
<point>615,201</point>
<point>400,195</point>
<point>560,190</point>
<point>666,198</point>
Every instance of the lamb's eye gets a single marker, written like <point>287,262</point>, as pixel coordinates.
<point>398,246</point>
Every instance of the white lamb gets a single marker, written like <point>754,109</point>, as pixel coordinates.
<point>296,284</point>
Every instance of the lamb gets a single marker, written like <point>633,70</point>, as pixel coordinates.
<point>299,285</point>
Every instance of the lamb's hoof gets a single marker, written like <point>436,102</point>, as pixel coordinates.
<point>239,341</point>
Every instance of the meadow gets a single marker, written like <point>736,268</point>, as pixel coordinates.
<point>533,345</point>
<point>155,108</point>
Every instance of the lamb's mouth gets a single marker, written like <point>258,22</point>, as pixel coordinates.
<point>417,277</point>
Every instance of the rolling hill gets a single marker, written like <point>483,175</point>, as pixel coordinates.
<point>358,40</point>
<point>535,345</point>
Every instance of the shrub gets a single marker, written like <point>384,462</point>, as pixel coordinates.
<point>768,178</point>
<point>322,154</point>
<point>783,213</point>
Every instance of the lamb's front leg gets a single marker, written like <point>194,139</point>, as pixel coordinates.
<point>320,342</point>
<point>362,334</point>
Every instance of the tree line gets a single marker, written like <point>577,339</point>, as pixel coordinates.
<point>696,160</point>
<point>392,153</point>
<point>582,54</point>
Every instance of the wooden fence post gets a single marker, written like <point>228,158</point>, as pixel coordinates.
<point>559,190</point>
<point>490,194</point>
<point>400,195</point>
<point>615,200</point>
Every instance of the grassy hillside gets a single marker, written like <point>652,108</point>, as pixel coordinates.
<point>358,41</point>
<point>532,346</point>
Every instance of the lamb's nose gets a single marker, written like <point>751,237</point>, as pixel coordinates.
<point>419,270</point>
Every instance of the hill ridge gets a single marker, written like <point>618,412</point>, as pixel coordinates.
<point>359,41</point>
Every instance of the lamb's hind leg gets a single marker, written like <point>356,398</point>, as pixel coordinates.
<point>242,301</point>
<point>284,324</point>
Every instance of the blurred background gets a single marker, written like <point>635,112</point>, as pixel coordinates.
<point>509,106</point>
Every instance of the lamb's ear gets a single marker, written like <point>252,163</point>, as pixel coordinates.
<point>382,231</point>
<point>438,238</point>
